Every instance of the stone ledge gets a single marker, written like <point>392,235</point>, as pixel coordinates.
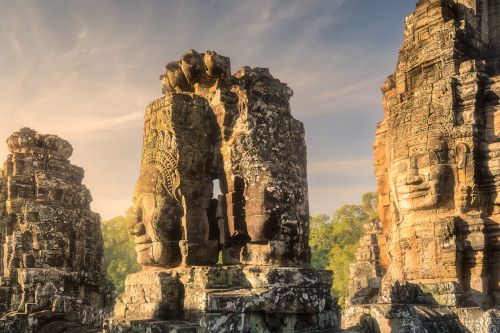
<point>152,326</point>
<point>432,318</point>
<point>267,297</point>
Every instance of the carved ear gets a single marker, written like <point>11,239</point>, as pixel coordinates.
<point>395,211</point>
<point>462,155</point>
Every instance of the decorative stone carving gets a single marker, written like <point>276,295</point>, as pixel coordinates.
<point>52,242</point>
<point>436,164</point>
<point>366,272</point>
<point>175,186</point>
<point>238,129</point>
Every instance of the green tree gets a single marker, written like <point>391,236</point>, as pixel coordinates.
<point>370,204</point>
<point>119,253</point>
<point>320,245</point>
<point>341,258</point>
<point>334,240</point>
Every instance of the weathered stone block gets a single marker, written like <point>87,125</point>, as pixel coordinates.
<point>265,276</point>
<point>153,294</point>
<point>219,297</point>
<point>52,242</point>
<point>205,253</point>
<point>152,326</point>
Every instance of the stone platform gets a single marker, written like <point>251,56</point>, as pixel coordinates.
<point>399,318</point>
<point>76,301</point>
<point>226,299</point>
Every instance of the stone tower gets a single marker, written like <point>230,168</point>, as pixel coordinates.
<point>52,247</point>
<point>237,261</point>
<point>437,168</point>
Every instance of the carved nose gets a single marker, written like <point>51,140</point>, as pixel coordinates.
<point>412,176</point>
<point>413,180</point>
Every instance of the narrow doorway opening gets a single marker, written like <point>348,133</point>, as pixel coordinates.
<point>213,223</point>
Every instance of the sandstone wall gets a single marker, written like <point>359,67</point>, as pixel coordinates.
<point>436,162</point>
<point>52,245</point>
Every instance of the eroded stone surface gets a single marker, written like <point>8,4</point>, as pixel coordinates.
<point>237,129</point>
<point>52,242</point>
<point>436,162</point>
<point>235,262</point>
<point>414,318</point>
<point>366,272</point>
<point>229,299</point>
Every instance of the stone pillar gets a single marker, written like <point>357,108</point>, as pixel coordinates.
<point>238,129</point>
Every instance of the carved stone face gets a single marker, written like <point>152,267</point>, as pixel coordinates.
<point>155,227</point>
<point>143,229</point>
<point>421,179</point>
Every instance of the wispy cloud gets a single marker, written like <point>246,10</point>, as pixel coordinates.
<point>86,70</point>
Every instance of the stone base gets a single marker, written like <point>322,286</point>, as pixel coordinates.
<point>206,253</point>
<point>436,293</point>
<point>42,295</point>
<point>44,321</point>
<point>403,318</point>
<point>227,299</point>
<point>153,326</point>
<point>83,297</point>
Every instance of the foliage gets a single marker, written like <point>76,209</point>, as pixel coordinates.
<point>370,204</point>
<point>340,260</point>
<point>320,245</point>
<point>119,253</point>
<point>334,241</point>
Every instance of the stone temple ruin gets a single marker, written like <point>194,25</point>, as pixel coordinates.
<point>238,261</point>
<point>51,253</point>
<point>432,262</point>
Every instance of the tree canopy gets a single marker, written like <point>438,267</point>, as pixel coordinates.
<point>334,240</point>
<point>119,253</point>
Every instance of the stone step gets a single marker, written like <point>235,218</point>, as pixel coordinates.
<point>154,326</point>
<point>270,300</point>
<point>229,301</point>
<point>68,327</point>
<point>157,326</point>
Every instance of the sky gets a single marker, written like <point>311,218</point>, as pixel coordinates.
<point>86,69</point>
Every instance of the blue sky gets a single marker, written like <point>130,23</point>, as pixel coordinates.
<point>85,70</point>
